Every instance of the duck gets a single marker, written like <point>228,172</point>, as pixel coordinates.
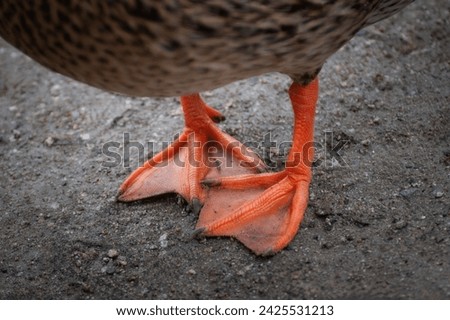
<point>166,48</point>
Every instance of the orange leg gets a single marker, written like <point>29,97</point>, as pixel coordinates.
<point>181,167</point>
<point>264,211</point>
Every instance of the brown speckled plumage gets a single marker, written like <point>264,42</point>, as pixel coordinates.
<point>174,47</point>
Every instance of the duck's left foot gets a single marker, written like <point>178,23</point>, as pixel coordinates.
<point>202,148</point>
<point>264,211</point>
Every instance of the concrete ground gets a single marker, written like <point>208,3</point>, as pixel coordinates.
<point>377,225</point>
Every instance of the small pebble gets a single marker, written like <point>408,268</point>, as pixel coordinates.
<point>400,224</point>
<point>438,194</point>
<point>326,245</point>
<point>109,269</point>
<point>16,134</point>
<point>55,90</point>
<point>85,136</point>
<point>192,272</point>
<point>163,241</point>
<point>54,205</point>
<point>408,192</point>
<point>112,253</point>
<point>121,260</point>
<point>49,141</point>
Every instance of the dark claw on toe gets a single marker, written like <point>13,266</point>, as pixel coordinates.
<point>210,182</point>
<point>218,119</point>
<point>119,193</point>
<point>119,196</point>
<point>196,206</point>
<point>198,233</point>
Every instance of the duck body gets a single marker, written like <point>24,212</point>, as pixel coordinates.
<point>176,47</point>
<point>182,47</point>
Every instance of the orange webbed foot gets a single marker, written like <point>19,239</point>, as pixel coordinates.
<point>180,168</point>
<point>264,211</point>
